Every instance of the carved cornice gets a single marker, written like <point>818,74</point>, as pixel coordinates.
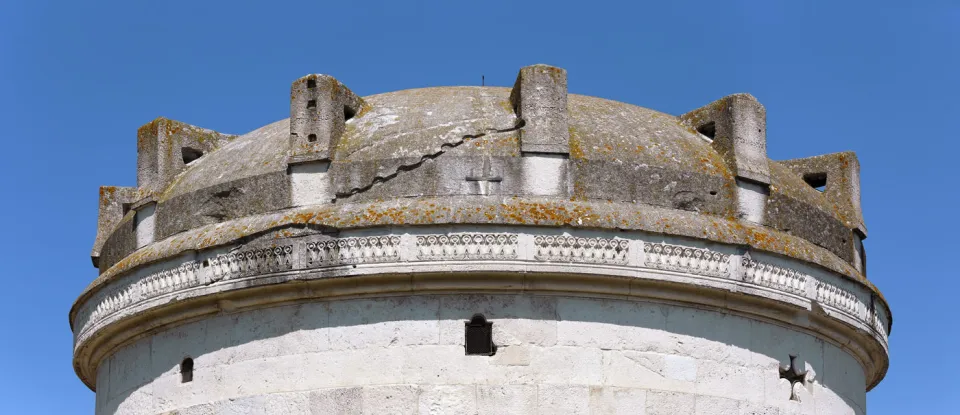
<point>609,266</point>
<point>697,261</point>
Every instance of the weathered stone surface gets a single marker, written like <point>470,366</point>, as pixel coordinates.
<point>629,261</point>
<point>319,108</point>
<point>368,364</point>
<point>164,148</point>
<point>223,202</point>
<point>737,124</point>
<point>839,173</point>
<point>115,203</point>
<point>539,98</point>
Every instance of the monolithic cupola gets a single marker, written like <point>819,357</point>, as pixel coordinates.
<point>481,249</point>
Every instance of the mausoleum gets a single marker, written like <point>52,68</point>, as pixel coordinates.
<point>481,250</point>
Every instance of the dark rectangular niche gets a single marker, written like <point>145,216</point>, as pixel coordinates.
<point>478,340</point>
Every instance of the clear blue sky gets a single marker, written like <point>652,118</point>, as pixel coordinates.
<point>875,77</point>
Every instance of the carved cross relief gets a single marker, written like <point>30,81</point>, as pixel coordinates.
<point>796,377</point>
<point>484,179</point>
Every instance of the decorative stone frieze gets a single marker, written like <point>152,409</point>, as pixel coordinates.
<point>773,276</point>
<point>467,246</point>
<point>164,282</point>
<point>576,249</point>
<point>252,262</point>
<point>357,250</point>
<point>839,298</point>
<point>698,261</point>
<point>391,248</point>
<point>133,291</point>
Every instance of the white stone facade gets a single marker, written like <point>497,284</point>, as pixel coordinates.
<point>585,322</point>
<point>405,355</point>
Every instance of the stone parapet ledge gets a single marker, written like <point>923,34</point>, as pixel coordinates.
<point>405,260</point>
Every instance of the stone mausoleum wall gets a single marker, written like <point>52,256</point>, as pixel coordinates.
<point>337,262</point>
<point>405,355</point>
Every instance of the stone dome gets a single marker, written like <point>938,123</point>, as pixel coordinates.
<point>494,175</point>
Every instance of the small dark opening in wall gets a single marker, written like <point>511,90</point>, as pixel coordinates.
<point>126,208</point>
<point>312,103</point>
<point>709,129</point>
<point>348,113</point>
<point>311,83</point>
<point>478,339</point>
<point>190,154</point>
<point>186,370</point>
<point>816,180</point>
<point>312,137</point>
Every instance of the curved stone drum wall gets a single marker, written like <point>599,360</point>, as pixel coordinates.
<point>405,355</point>
<point>584,321</point>
<point>629,261</point>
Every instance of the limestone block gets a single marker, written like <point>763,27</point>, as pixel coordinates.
<point>613,324</point>
<point>373,366</point>
<point>773,345</point>
<point>103,386</point>
<point>164,147</point>
<point>442,364</point>
<point>544,174</point>
<point>448,400</point>
<point>114,203</point>
<point>137,401</point>
<point>617,401</point>
<point>392,399</point>
<point>309,183</point>
<point>737,124</point>
<point>828,402</point>
<point>843,376</point>
<point>280,330</point>
<point>568,365</point>
<point>670,403</point>
<point>506,399</point>
<point>539,98</point>
<point>384,322</point>
<point>319,108</point>
<point>627,368</point>
<point>219,341</point>
<point>516,319</point>
<point>268,375</point>
<point>712,405</point>
<point>336,401</point>
<point>275,404</point>
<point>170,393</point>
<point>839,173</point>
<point>563,399</point>
<point>751,201</point>
<point>512,356</point>
<point>127,368</point>
<point>752,408</point>
<point>145,223</point>
<point>308,329</point>
<point>707,335</point>
<point>730,381</point>
<point>169,348</point>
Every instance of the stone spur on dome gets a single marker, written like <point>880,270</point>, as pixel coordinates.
<point>481,250</point>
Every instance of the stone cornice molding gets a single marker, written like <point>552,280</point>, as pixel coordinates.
<point>388,261</point>
<point>491,211</point>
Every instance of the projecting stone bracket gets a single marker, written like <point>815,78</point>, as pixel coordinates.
<point>838,175</point>
<point>319,108</point>
<point>165,147</point>
<point>115,202</point>
<point>737,126</point>
<point>539,98</point>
